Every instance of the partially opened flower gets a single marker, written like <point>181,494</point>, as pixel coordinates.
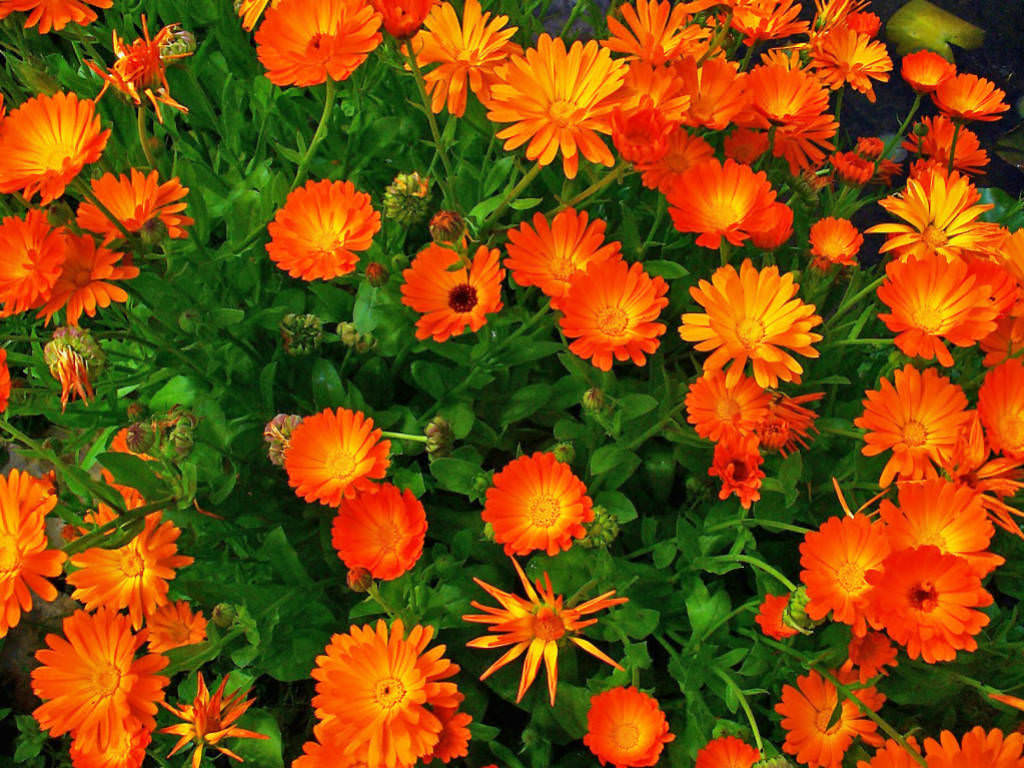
<point>852,168</point>
<point>72,355</point>
<point>834,241</point>
<point>535,627</point>
<point>937,142</point>
<point>787,424</point>
<point>626,727</point>
<point>871,654</point>
<point>85,280</point>
<point>1001,407</point>
<point>655,32</point>
<point>925,71</point>
<point>969,97</point>
<point>175,625</point>
<point>717,409</point>
<point>31,257</point>
<point>683,151</point>
<point>717,91</point>
<point>454,738</point>
<point>641,134</point>
<point>402,18</point>
<point>737,463</point>
<point>978,747</point>
<point>54,15</point>
<point>770,617</point>
<point>844,55</point>
<point>727,752</point>
<point>140,202</point>
<point>381,530</point>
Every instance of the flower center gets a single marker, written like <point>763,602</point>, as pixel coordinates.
<point>612,321</point>
<point>928,319</point>
<point>10,556</point>
<point>105,680</point>
<point>750,332</point>
<point>562,113</point>
<point>341,464</point>
<point>626,736</point>
<point>132,565</point>
<point>773,432</point>
<point>914,433</point>
<point>388,535</point>
<point>543,511</point>
<point>850,577</point>
<point>547,625</point>
<point>740,470</point>
<point>315,43</point>
<point>727,409</point>
<point>462,298</point>
<point>923,596</point>
<point>562,268</point>
<point>389,693</point>
<point>934,237</point>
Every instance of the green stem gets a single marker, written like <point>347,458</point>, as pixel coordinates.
<point>770,524</point>
<point>847,342</point>
<point>404,436</point>
<point>375,595</point>
<point>899,133</point>
<point>318,135</point>
<point>716,42</point>
<point>747,56</point>
<point>843,433</point>
<point>952,145</point>
<point>140,124</point>
<point>724,250</point>
<point>848,304</point>
<point>756,563</point>
<point>421,88</point>
<point>614,175</point>
<point>726,678</point>
<point>839,104</point>
<point>83,543</point>
<point>509,198</point>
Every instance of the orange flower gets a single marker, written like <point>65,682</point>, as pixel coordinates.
<point>54,14</point>
<point>919,419</point>
<point>454,738</point>
<point>549,255</point>
<point>174,625</point>
<point>641,134</point>
<point>626,727</point>
<point>751,315</point>
<point>537,503</point>
<point>557,101</point>
<point>717,91</point>
<point>140,203</point>
<point>320,229</point>
<point>91,683</point>
<point>657,32</point>
<point>535,627</point>
<point>717,409</point>
<point>328,749</point>
<point>126,751</point>
<point>25,561</point>
<point>452,300</point>
<point>871,654</point>
<point>467,51</point>
<point>745,145</point>
<point>969,97</point>
<point>727,752</point>
<point>870,147</point>
<point>938,139</point>
<point>251,10</point>
<point>759,20</point>
<point>925,71</point>
<point>46,141</point>
<point>846,56</point>
<point>659,88</point>
<point>209,720</point>
<point>1001,408</point>
<point>819,727</point>
<point>403,18</point>
<point>373,686</point>
<point>778,230</point>
<point>335,454</point>
<point>977,747</point>
<point>893,755</point>
<point>836,559</point>
<point>737,463</point>
<point>852,168</point>
<point>865,23</point>
<point>684,150</point>
<point>381,530</point>
<point>927,601</point>
<point>610,310</point>
<point>82,285</point>
<point>31,257</point>
<point>770,619</point>
<point>303,42</point>
<point>834,241</point>
<point>785,425</point>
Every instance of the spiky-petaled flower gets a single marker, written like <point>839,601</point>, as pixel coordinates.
<point>72,355</point>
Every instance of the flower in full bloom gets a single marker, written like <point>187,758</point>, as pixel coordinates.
<point>54,14</point>
<point>320,230</point>
<point>727,752</point>
<point>335,454</point>
<point>626,727</point>
<point>1001,408</point>
<point>770,617</point>
<point>46,141</point>
<point>174,625</point>
<point>381,530</point>
<point>83,283</point>
<point>535,627</point>
<point>834,241</point>
<point>537,503</point>
<point>451,293</point>
<point>976,747</point>
<point>610,310</point>
<point>737,463</point>
<point>717,91</point>
<point>683,151</point>
<point>845,56</point>
<point>655,32</point>
<point>31,256</point>
<point>936,143</point>
<point>139,202</point>
<point>969,97</point>
<point>716,409</point>
<point>925,71</point>
<point>759,20</point>
<point>871,654</point>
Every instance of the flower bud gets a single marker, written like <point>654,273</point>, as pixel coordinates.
<point>72,356</point>
<point>602,530</point>
<point>439,437</point>
<point>277,434</point>
<point>593,400</point>
<point>347,334</point>
<point>447,227</point>
<point>920,129</point>
<point>406,199</point>
<point>359,579</point>
<point>224,615</point>
<point>565,452</point>
<point>134,411</point>
<point>140,437</point>
<point>181,438</point>
<point>182,43</point>
<point>376,274</point>
<point>773,762</point>
<point>795,614</point>
<point>301,334</point>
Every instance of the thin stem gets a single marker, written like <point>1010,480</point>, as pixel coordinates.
<point>140,123</point>
<point>846,306</point>
<point>839,103</point>
<point>509,198</point>
<point>952,145</point>
<point>843,433</point>
<point>84,542</point>
<point>613,176</point>
<point>404,436</point>
<point>747,56</point>
<point>756,563</point>
<point>724,250</point>
<point>318,135</point>
<point>715,43</point>
<point>421,88</point>
<point>899,133</point>
<point>375,595</point>
<point>726,678</point>
<point>770,524</point>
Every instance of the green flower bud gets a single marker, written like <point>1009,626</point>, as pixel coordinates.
<point>301,334</point>
<point>224,615</point>
<point>277,433</point>
<point>602,530</point>
<point>565,452</point>
<point>439,437</point>
<point>593,400</point>
<point>406,199</point>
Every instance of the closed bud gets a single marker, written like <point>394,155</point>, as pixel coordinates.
<point>301,334</point>
<point>602,530</point>
<point>153,232</point>
<point>920,129</point>
<point>447,227</point>
<point>181,43</point>
<point>364,343</point>
<point>224,615</point>
<point>564,452</point>
<point>774,762</point>
<point>406,199</point>
<point>795,614</point>
<point>439,437</point>
<point>277,434</point>
<point>359,579</point>
<point>182,437</point>
<point>347,334</point>
<point>593,400</point>
<point>376,274</point>
<point>140,437</point>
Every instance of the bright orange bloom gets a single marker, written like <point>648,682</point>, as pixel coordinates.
<point>819,726</point>
<point>852,168</point>
<point>659,88</point>
<point>1001,408</point>
<point>374,687</point>
<point>684,150</point>
<point>1010,701</point>
<point>126,751</point>
<point>25,561</point>
<point>303,42</point>
<point>871,654</point>
<point>969,97</point>
<point>209,720</point>
<point>737,463</point>
<point>557,101</point>
<point>846,56</point>
<point>454,739</point>
<point>54,14</point>
<point>46,141</point>
<point>31,257</point>
<point>610,310</point>
<point>451,300</point>
<point>893,755</point>
<point>919,419</point>
<point>327,750</point>
<point>655,32</point>
<point>760,20</point>
<point>745,145</point>
<point>140,203</point>
<point>925,71</point>
<point>786,424</point>
<point>927,601</point>
<point>870,147</point>
<point>641,134</point>
<point>91,683</point>
<point>320,230</point>
<point>717,201</point>
<point>751,315</point>
<point>467,51</point>
<point>335,454</point>
<point>778,230</point>
<point>834,241</point>
<point>936,143</point>
<point>537,503</point>
<point>717,91</point>
<point>717,409</point>
<point>727,752</point>
<point>836,559</point>
<point>5,381</point>
<point>865,23</point>
<point>535,627</point>
<point>381,530</point>
<point>251,10</point>
<point>82,285</point>
<point>770,618</point>
<point>175,625</point>
<point>69,355</point>
<point>403,18</point>
<point>626,727</point>
<point>549,255</point>
<point>977,748</point>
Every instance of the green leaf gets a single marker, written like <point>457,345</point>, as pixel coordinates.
<point>705,608</point>
<point>664,268</point>
<point>328,389</point>
<point>664,553</point>
<point>135,472</point>
<point>525,203</point>
<point>636,621</point>
<point>364,315</point>
<point>618,504</point>
<point>606,458</point>
<point>181,390</point>
<point>455,475</point>
<point>259,753</point>
<point>283,559</point>
<point>789,475</point>
<point>634,406</point>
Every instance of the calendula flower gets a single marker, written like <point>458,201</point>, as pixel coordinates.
<point>834,241</point>
<point>70,356</point>
<point>778,229</point>
<point>303,42</point>
<point>374,687</point>
<point>717,91</point>
<point>46,141</point>
<point>683,151</point>
<point>927,602</point>
<point>655,32</point>
<point>610,311</point>
<point>467,51</point>
<point>819,726</point>
<point>208,720</point>
<point>969,97</point>
<point>453,741</point>
<point>717,409</point>
<point>83,283</point>
<point>641,134</point>
<point>845,56</point>
<point>140,202</point>
<point>335,454</point>
<point>558,101</point>
<point>745,145</point>
<point>626,727</point>
<point>786,423</point>
<point>752,315</point>
<point>727,752</point>
<point>1001,408</point>
<point>737,463</point>
<point>871,654</point>
<point>402,18</point>
<point>535,627</point>
<point>893,755</point>
<point>251,10</point>
<point>852,168</point>
<point>938,139</point>
<point>865,23</point>
<point>31,257</point>
<point>770,618</point>
<point>175,625</point>
<point>919,419</point>
<point>381,530</point>
<point>92,684</point>
<point>925,71</point>
<point>537,503</point>
<point>321,229</point>
<point>759,20</point>
<point>54,14</point>
<point>452,298</point>
<point>976,747</point>
<point>549,255</point>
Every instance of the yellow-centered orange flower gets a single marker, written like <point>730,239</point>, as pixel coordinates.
<point>834,241</point>
<point>969,97</point>
<point>83,283</point>
<point>1001,408</point>
<point>54,14</point>
<point>626,727</point>
<point>655,32</point>
<point>534,627</point>
<point>174,625</point>
<point>717,409</point>
<point>140,202</point>
<point>846,56</point>
<point>759,20</point>
<point>752,315</point>
<point>31,257</point>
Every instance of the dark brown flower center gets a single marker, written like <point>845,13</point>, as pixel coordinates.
<point>462,298</point>
<point>923,596</point>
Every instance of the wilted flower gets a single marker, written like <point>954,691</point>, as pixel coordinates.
<point>407,198</point>
<point>71,356</point>
<point>277,433</point>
